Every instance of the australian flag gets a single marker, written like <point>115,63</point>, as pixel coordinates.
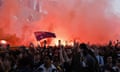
<point>42,35</point>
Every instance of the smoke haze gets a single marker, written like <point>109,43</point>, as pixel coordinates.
<point>95,21</point>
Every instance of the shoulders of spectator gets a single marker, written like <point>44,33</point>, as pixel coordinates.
<point>52,66</point>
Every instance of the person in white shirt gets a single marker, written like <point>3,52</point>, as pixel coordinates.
<point>47,66</point>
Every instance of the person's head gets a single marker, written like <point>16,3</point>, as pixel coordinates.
<point>37,57</point>
<point>7,63</point>
<point>83,48</point>
<point>31,45</point>
<point>109,59</point>
<point>47,60</point>
<point>118,54</point>
<point>118,63</point>
<point>68,51</point>
<point>96,51</point>
<point>22,48</point>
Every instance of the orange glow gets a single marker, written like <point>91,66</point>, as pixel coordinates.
<point>94,21</point>
<point>55,42</point>
<point>63,42</point>
<point>3,42</point>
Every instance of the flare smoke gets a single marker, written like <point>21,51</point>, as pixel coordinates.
<point>95,21</point>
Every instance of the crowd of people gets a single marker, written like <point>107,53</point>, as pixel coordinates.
<point>80,57</point>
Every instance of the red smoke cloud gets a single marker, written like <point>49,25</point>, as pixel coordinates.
<point>85,20</point>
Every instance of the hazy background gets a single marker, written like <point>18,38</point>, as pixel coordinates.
<point>94,21</point>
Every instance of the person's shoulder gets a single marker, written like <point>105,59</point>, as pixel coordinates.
<point>53,66</point>
<point>41,66</point>
<point>54,69</point>
<point>89,57</point>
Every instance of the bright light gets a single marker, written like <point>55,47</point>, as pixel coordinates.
<point>70,43</point>
<point>55,42</point>
<point>63,42</point>
<point>3,41</point>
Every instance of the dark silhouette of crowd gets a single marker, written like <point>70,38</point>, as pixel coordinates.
<point>80,57</point>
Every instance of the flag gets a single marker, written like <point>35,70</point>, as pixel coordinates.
<point>42,35</point>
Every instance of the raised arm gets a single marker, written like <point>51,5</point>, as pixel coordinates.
<point>61,55</point>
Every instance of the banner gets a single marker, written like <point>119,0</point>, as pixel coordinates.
<point>42,35</point>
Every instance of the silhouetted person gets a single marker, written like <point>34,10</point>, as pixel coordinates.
<point>83,61</point>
